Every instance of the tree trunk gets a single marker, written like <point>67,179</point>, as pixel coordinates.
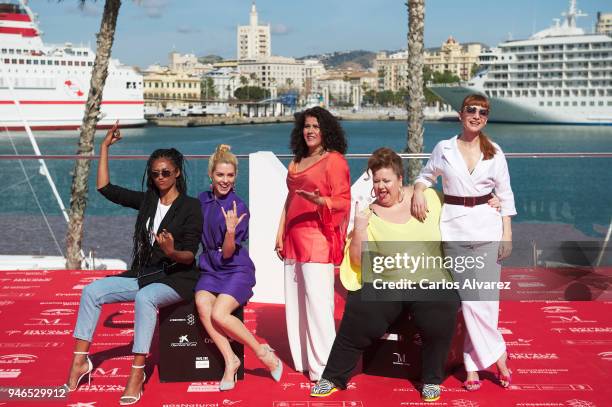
<point>78,193</point>
<point>416,97</point>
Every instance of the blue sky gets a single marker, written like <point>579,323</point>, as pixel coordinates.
<point>147,32</point>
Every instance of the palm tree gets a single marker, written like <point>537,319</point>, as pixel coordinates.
<point>78,192</point>
<point>416,97</point>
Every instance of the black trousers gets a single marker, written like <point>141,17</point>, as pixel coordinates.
<point>365,321</point>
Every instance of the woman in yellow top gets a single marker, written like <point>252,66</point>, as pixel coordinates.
<point>388,220</point>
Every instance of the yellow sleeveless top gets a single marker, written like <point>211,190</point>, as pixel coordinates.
<point>392,234</point>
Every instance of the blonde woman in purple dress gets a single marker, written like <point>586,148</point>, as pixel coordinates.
<point>227,272</point>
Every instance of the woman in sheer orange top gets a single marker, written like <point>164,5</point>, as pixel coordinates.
<point>311,235</point>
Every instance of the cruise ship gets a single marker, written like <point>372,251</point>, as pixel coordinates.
<point>51,82</point>
<point>560,75</point>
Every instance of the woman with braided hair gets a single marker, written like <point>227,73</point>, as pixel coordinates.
<point>166,239</point>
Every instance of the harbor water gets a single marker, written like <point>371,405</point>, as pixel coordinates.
<point>574,194</point>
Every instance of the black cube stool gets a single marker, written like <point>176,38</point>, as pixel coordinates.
<point>186,352</point>
<point>398,353</point>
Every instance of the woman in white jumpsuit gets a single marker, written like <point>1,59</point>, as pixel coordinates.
<point>472,167</point>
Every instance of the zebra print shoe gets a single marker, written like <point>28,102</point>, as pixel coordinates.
<point>323,388</point>
<point>430,392</point>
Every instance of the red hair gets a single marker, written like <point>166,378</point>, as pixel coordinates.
<point>486,147</point>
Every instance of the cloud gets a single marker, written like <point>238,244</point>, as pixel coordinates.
<point>280,29</point>
<point>153,8</point>
<point>186,29</point>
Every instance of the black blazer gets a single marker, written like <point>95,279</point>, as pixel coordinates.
<point>183,220</point>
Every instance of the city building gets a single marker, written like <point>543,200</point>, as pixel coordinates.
<point>273,73</point>
<point>187,63</point>
<point>225,81</point>
<point>344,86</point>
<point>313,68</point>
<point>451,56</point>
<point>392,70</point>
<point>604,23</point>
<point>253,41</point>
<point>170,89</point>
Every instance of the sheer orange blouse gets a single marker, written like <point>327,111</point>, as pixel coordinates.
<point>316,234</point>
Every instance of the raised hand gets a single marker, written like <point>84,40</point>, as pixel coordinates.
<point>232,220</point>
<point>112,135</point>
<point>362,217</point>
<point>314,197</point>
<point>165,240</point>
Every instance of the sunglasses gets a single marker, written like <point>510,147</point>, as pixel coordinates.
<point>163,173</point>
<point>474,109</point>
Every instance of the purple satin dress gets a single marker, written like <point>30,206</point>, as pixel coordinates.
<point>234,276</point>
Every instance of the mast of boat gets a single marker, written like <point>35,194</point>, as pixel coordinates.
<point>572,13</point>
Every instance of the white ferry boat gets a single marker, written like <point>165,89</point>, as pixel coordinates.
<point>51,82</point>
<point>560,75</point>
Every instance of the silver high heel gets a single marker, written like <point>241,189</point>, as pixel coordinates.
<point>229,385</point>
<point>87,373</point>
<point>129,400</point>
<point>277,372</point>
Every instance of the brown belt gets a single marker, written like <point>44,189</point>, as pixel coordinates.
<point>467,200</point>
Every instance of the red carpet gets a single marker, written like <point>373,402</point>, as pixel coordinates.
<point>560,352</point>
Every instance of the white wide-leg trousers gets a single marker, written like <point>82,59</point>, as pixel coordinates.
<point>483,343</point>
<point>309,310</point>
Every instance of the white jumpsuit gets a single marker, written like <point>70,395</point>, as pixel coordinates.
<point>480,223</point>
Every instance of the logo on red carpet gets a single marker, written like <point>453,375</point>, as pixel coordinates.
<point>32,280</point>
<point>591,330</point>
<point>552,387</point>
<point>504,331</point>
<point>227,402</point>
<point>83,404</point>
<point>520,342</point>
<point>203,387</point>
<point>534,356</point>
<point>605,356</point>
<point>114,372</point>
<point>9,373</point>
<point>31,344</point>
<point>533,284</point>
<point>464,403</point>
<point>579,403</point>
<point>46,322</point>
<point>47,332</point>
<point>596,342</point>
<point>16,295</point>
<point>558,309</point>
<point>58,312</point>
<point>560,319</point>
<point>18,358</point>
<point>62,303</point>
<point>521,277</point>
